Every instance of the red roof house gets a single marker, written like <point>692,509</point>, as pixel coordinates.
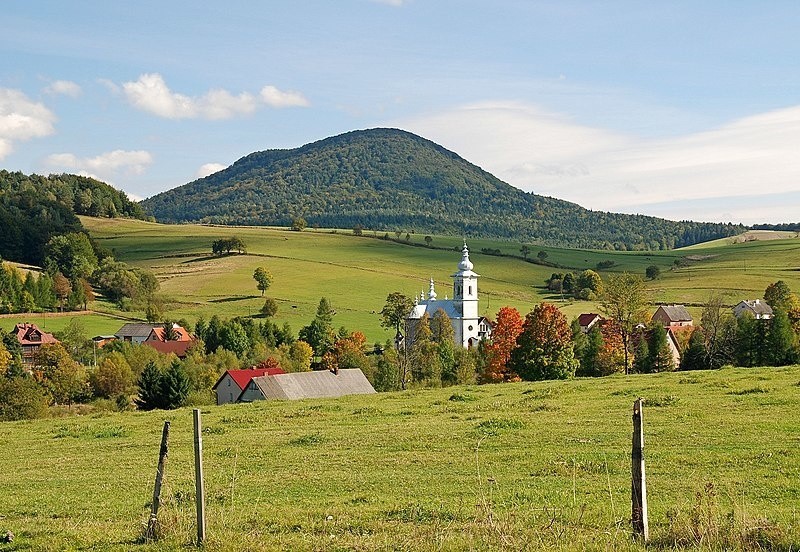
<point>30,337</point>
<point>587,320</point>
<point>230,385</point>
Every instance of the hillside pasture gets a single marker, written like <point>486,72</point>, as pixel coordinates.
<point>357,273</point>
<point>527,466</point>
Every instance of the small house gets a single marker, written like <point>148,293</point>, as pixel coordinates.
<point>134,333</point>
<point>159,333</point>
<point>756,307</point>
<point>231,384</point>
<point>588,320</point>
<point>672,315</point>
<point>307,385</point>
<point>31,338</point>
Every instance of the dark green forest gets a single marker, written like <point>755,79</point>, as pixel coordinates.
<point>392,180</point>
<point>35,208</point>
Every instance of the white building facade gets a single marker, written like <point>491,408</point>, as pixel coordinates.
<point>469,328</point>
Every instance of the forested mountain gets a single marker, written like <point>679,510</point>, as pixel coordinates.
<point>392,180</point>
<point>34,208</point>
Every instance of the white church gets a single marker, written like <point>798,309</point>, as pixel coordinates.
<point>469,328</point>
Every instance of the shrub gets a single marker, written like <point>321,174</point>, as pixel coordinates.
<point>21,399</point>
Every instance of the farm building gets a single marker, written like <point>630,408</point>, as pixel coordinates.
<point>756,307</point>
<point>672,315</point>
<point>307,385</point>
<point>30,338</point>
<point>134,333</point>
<point>588,320</point>
<point>231,384</point>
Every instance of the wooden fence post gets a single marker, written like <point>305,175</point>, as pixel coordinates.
<point>200,492</point>
<point>638,485</point>
<point>152,523</point>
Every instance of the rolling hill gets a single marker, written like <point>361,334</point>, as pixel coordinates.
<point>392,180</point>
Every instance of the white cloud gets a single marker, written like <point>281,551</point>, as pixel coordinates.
<point>277,98</point>
<point>21,119</point>
<point>551,155</point>
<point>104,166</point>
<point>209,168</point>
<point>150,93</point>
<point>64,88</point>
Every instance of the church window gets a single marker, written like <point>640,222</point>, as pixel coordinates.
<point>469,290</point>
<point>469,328</point>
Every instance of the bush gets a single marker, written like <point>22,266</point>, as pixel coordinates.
<point>22,399</point>
<point>270,307</point>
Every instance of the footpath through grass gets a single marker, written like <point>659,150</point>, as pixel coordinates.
<point>528,466</point>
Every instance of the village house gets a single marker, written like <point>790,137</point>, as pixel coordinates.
<point>468,327</point>
<point>231,384</point>
<point>31,338</point>
<point>307,385</point>
<point>134,333</point>
<point>587,321</point>
<point>672,315</point>
<point>756,307</point>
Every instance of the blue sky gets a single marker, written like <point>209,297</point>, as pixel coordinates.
<point>687,110</point>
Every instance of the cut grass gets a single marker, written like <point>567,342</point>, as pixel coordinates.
<point>422,470</point>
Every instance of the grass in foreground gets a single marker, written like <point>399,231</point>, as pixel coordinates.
<point>524,466</point>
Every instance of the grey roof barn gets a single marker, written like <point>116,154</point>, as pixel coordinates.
<point>307,385</point>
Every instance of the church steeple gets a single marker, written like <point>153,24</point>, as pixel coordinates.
<point>431,292</point>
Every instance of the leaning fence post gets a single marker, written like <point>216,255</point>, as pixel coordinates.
<point>200,493</point>
<point>638,485</point>
<point>152,523</point>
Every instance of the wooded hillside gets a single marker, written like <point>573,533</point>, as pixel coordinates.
<point>392,180</point>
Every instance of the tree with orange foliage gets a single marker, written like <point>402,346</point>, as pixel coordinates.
<point>504,340</point>
<point>544,348</point>
<point>347,352</point>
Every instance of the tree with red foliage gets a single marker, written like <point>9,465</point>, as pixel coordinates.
<point>347,352</point>
<point>504,340</point>
<point>544,348</point>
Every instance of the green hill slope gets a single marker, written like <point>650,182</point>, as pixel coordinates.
<point>357,273</point>
<point>392,180</point>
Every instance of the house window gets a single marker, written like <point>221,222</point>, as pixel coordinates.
<point>229,383</point>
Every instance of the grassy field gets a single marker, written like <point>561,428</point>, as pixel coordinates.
<point>528,466</point>
<point>356,273</point>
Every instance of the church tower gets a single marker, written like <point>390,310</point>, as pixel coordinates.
<point>465,300</point>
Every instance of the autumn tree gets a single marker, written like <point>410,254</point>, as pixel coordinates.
<point>506,329</point>
<point>112,377</point>
<point>544,347</point>
<point>62,288</point>
<point>424,355</point>
<point>299,224</point>
<point>624,302</point>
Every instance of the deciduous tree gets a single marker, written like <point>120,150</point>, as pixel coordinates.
<point>506,329</point>
<point>624,301</point>
<point>263,279</point>
<point>544,348</point>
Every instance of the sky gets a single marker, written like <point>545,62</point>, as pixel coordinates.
<point>683,110</point>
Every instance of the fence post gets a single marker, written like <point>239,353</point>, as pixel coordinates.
<point>152,523</point>
<point>638,485</point>
<point>200,492</point>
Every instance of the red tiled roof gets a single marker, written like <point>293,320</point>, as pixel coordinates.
<point>243,377</point>
<point>26,332</point>
<point>179,348</point>
<point>587,318</point>
<point>182,334</point>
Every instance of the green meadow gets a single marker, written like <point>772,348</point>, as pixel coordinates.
<point>357,273</point>
<point>525,466</point>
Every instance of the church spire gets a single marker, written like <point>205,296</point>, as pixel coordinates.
<point>431,292</point>
<point>465,263</point>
